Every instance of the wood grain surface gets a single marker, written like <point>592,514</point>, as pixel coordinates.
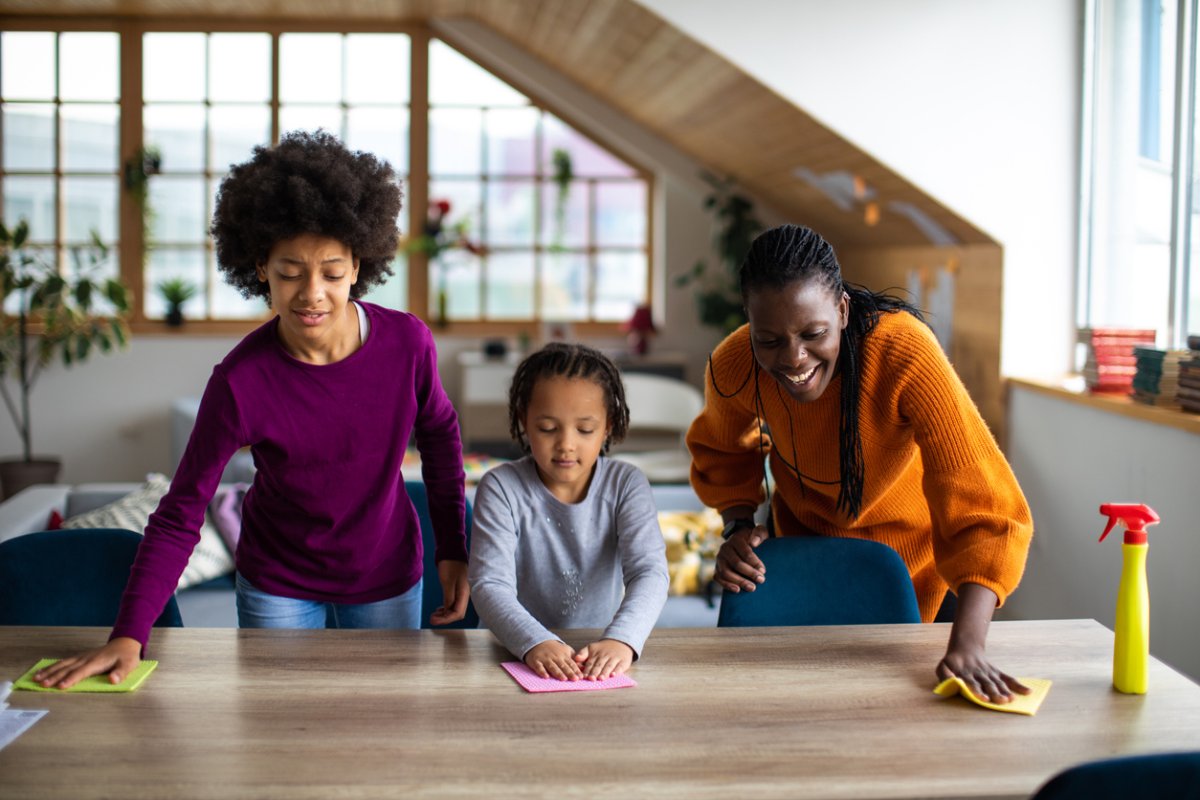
<point>769,712</point>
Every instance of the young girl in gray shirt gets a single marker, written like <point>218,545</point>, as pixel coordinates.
<point>565,537</point>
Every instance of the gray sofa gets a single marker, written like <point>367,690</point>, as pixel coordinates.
<point>211,605</point>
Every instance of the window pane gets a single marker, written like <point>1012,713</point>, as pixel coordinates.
<point>510,213</point>
<point>510,285</point>
<point>89,137</point>
<point>239,67</point>
<point>511,141</point>
<point>394,293</point>
<point>1130,230</point>
<point>84,258</point>
<point>465,203</point>
<point>178,133</point>
<point>567,227</point>
<point>377,68</point>
<point>310,67</point>
<point>459,273</point>
<point>179,210</point>
<point>167,263</point>
<point>88,66</point>
<point>381,131</point>
<point>564,286</point>
<point>620,285</point>
<point>621,213</point>
<point>27,65</point>
<point>31,199</point>
<point>173,66</point>
<point>587,158</point>
<point>29,136</point>
<point>228,303</point>
<point>309,118</point>
<point>455,141</point>
<point>235,130</point>
<point>90,205</point>
<point>456,80</point>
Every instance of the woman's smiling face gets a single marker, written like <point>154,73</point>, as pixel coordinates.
<point>796,332</point>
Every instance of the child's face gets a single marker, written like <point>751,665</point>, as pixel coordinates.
<point>567,425</point>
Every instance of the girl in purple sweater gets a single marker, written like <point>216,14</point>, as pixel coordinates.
<point>326,395</point>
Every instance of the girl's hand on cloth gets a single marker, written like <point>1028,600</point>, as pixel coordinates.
<point>965,656</point>
<point>455,593</point>
<point>553,659</point>
<point>738,568</point>
<point>603,659</point>
<point>118,658</point>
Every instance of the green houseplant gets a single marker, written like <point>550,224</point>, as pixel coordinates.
<point>48,316</point>
<point>175,292</point>
<point>718,295</point>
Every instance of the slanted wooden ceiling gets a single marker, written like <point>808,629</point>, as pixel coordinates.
<point>657,75</point>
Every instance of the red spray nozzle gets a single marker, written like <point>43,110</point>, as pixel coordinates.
<point>1135,516</point>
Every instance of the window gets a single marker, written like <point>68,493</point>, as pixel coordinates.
<point>59,115</point>
<point>573,249</point>
<point>549,249</point>
<point>1139,213</point>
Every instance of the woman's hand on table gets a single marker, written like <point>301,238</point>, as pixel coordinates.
<point>455,592</point>
<point>553,659</point>
<point>965,657</point>
<point>601,660</point>
<point>118,658</point>
<point>738,568</point>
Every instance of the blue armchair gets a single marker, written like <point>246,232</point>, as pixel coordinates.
<point>821,580</point>
<point>431,592</point>
<point>69,577</point>
<point>1144,777</point>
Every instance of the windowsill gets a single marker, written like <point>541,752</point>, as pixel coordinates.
<point>1114,404</point>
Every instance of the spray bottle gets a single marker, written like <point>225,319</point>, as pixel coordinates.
<point>1131,650</point>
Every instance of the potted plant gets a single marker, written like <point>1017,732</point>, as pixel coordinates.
<point>438,237</point>
<point>718,294</point>
<point>175,292</point>
<point>46,316</point>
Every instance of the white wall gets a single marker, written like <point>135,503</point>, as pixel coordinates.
<point>1069,459</point>
<point>974,102</point>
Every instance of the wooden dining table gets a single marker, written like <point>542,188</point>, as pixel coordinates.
<point>826,712</point>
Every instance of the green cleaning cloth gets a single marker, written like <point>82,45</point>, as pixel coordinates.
<point>96,683</point>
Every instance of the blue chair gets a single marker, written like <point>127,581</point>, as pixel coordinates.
<point>822,580</point>
<point>70,577</point>
<point>431,592</point>
<point>1145,777</point>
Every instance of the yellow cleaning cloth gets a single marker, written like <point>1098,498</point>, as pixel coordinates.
<point>1027,704</point>
<point>96,683</point>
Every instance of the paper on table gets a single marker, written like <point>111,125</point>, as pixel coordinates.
<point>1027,704</point>
<point>96,683</point>
<point>15,721</point>
<point>532,682</point>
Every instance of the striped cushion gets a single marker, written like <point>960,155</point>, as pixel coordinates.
<point>209,560</point>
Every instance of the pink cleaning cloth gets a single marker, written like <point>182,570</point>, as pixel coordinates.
<point>532,682</point>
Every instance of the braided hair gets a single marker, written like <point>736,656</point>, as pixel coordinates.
<point>558,359</point>
<point>791,254</point>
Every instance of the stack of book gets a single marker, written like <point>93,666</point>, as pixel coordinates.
<point>1188,393</point>
<point>1157,380</point>
<point>1110,364</point>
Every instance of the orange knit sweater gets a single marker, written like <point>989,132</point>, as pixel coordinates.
<point>937,488</point>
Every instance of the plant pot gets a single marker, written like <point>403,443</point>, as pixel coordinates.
<point>174,316</point>
<point>16,474</point>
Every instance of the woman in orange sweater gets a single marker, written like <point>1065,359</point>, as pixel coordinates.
<point>869,434</point>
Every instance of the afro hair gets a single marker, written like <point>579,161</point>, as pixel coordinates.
<point>309,183</point>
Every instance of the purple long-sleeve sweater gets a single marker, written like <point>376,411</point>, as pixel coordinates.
<point>327,517</point>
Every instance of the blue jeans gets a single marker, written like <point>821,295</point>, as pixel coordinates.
<point>257,609</point>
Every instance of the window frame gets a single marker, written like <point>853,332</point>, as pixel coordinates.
<point>129,222</point>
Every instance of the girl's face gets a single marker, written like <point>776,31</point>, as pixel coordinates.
<point>796,332</point>
<point>310,279</point>
<point>566,425</point>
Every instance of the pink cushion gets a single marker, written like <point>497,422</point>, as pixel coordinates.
<point>226,512</point>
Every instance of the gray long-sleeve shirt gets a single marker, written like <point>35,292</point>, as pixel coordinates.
<point>538,563</point>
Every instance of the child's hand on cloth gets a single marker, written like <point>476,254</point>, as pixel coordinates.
<point>553,659</point>
<point>603,659</point>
